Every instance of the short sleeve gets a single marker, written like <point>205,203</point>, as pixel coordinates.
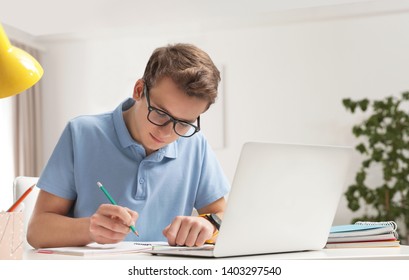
<point>213,183</point>
<point>58,175</point>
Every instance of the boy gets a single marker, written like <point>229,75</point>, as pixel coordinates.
<point>149,154</point>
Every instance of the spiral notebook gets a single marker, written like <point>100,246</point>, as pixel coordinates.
<point>364,234</point>
<point>283,198</point>
<point>359,230</point>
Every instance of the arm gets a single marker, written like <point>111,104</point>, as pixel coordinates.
<point>194,231</point>
<point>51,227</point>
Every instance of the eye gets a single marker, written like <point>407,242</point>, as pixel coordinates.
<point>161,114</point>
<point>184,125</point>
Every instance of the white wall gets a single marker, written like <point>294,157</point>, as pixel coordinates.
<point>6,154</point>
<point>284,79</point>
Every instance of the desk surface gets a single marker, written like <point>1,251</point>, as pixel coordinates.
<point>394,253</point>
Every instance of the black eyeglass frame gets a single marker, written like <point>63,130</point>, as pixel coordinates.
<point>171,119</point>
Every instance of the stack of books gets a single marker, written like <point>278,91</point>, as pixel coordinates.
<point>364,235</point>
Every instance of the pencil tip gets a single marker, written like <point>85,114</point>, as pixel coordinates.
<point>99,184</point>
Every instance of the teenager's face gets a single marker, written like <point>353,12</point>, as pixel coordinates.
<point>166,96</point>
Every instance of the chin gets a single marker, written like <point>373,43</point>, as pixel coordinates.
<point>154,145</point>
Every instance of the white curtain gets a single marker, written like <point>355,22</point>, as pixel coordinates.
<point>27,126</point>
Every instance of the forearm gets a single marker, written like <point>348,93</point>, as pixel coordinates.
<point>54,230</point>
<point>216,207</point>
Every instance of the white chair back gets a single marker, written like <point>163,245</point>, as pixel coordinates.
<point>20,185</point>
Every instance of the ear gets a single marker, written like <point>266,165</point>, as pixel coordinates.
<point>138,89</point>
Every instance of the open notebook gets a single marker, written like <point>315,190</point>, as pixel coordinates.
<point>283,198</point>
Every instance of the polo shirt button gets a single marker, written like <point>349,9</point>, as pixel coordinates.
<point>141,181</point>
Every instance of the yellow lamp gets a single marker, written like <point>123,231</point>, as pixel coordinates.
<point>18,70</point>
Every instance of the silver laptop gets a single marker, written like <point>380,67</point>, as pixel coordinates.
<point>283,199</point>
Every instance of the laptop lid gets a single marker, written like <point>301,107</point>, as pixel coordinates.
<point>283,198</point>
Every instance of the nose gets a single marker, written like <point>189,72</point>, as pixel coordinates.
<point>166,130</point>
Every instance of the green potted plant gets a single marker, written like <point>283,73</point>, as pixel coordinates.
<point>385,144</point>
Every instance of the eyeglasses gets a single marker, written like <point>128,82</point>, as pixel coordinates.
<point>161,118</point>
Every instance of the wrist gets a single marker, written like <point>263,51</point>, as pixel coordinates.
<point>213,219</point>
<point>216,222</point>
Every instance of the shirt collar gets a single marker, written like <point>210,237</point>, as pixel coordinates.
<point>125,138</point>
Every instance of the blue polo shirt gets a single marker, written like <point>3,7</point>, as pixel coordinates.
<point>169,182</point>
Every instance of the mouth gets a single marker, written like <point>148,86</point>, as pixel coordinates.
<point>156,139</point>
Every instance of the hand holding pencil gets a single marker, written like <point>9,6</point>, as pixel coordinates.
<point>114,203</point>
<point>111,223</point>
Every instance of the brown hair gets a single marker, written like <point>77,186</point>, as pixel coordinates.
<point>188,66</point>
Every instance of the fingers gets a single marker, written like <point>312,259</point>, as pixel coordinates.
<point>134,216</point>
<point>110,224</point>
<point>188,231</point>
<point>100,233</point>
<point>127,216</point>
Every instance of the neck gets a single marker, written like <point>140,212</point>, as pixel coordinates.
<point>128,119</point>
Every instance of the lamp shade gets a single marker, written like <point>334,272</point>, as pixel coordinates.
<point>18,69</point>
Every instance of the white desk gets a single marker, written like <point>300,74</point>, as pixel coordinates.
<point>395,253</point>
<point>323,264</point>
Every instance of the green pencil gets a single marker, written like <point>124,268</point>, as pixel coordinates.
<point>101,187</point>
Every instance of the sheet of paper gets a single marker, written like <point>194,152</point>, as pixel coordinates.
<point>103,249</point>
